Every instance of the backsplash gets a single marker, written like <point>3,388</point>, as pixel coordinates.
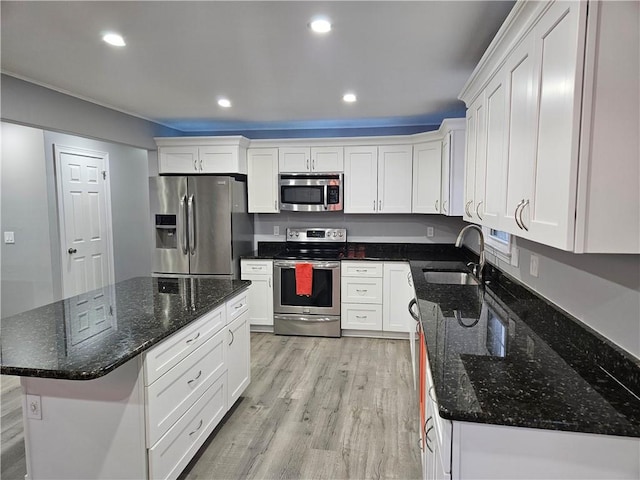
<point>362,228</point>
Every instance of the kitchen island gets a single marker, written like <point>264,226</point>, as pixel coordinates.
<point>130,380</point>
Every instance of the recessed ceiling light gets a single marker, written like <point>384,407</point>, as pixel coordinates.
<point>224,102</point>
<point>320,25</point>
<point>349,97</point>
<point>114,39</point>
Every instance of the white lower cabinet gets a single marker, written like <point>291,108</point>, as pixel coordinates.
<point>238,345</point>
<point>260,294</point>
<point>375,295</point>
<point>199,380</point>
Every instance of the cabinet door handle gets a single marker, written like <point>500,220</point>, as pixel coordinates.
<point>431,394</point>
<point>420,443</point>
<point>197,428</point>
<point>444,206</point>
<point>515,214</point>
<point>522,210</point>
<point>466,207</point>
<point>374,205</point>
<point>313,166</point>
<point>269,282</point>
<point>426,433</point>
<point>195,164</point>
<point>195,378</point>
<point>411,312</point>
<point>379,205</point>
<point>478,209</point>
<point>307,164</point>
<point>275,204</point>
<point>437,205</point>
<point>191,340</point>
<point>232,337</point>
<point>200,164</point>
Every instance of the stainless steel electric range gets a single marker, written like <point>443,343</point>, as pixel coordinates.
<point>317,314</point>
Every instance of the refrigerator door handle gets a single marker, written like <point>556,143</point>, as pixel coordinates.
<point>192,226</point>
<point>183,233</point>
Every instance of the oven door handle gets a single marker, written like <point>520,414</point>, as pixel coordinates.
<point>326,192</point>
<point>314,264</point>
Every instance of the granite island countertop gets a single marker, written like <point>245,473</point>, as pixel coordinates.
<point>53,341</point>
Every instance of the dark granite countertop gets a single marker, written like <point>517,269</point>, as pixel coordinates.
<point>52,341</point>
<point>502,355</point>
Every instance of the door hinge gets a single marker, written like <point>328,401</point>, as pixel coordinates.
<point>104,174</point>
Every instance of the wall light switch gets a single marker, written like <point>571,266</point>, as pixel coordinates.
<point>9,237</point>
<point>276,230</point>
<point>533,265</point>
<point>430,231</point>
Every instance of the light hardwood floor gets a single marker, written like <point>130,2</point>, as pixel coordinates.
<point>316,408</point>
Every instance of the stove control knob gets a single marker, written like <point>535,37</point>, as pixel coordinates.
<point>290,234</point>
<point>297,234</point>
<point>335,234</point>
<point>340,234</point>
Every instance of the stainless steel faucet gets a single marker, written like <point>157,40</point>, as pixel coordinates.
<point>481,261</point>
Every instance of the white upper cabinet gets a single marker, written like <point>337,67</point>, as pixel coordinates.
<point>311,159</point>
<point>394,178</point>
<point>427,177</point>
<point>361,179</point>
<point>475,160</point>
<point>202,155</point>
<point>262,180</point>
<point>559,92</point>
<point>452,182</point>
<point>378,179</point>
<point>491,211</point>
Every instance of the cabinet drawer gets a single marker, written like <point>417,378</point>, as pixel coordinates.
<point>237,306</point>
<point>164,356</point>
<point>356,290</point>
<point>173,393</point>
<point>256,267</point>
<point>361,317</point>
<point>361,269</point>
<point>172,453</point>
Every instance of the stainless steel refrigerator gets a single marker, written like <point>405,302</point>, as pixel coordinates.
<point>201,225</point>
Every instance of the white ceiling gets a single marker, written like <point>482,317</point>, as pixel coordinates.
<point>406,61</point>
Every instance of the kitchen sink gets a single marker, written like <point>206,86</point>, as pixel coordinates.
<point>450,278</point>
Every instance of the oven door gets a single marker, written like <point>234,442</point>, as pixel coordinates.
<point>325,292</point>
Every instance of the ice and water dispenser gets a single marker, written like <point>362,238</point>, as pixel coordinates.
<point>166,231</point>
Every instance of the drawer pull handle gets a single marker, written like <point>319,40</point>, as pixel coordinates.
<point>239,306</point>
<point>191,340</point>
<point>431,394</point>
<point>256,268</point>
<point>196,378</point>
<point>361,291</point>
<point>197,428</point>
<point>361,270</point>
<point>361,316</point>
<point>232,337</point>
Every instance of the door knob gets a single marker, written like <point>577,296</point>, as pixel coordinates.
<point>72,250</point>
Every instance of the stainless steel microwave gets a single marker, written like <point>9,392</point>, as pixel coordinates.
<point>311,192</point>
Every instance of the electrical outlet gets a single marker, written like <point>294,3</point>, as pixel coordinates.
<point>533,265</point>
<point>430,232</point>
<point>276,230</point>
<point>34,407</point>
<point>515,256</point>
<point>9,237</point>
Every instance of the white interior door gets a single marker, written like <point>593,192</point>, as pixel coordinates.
<point>84,210</point>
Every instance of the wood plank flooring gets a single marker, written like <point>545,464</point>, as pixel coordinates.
<point>316,408</point>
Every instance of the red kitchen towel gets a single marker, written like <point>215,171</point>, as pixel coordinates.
<point>304,279</point>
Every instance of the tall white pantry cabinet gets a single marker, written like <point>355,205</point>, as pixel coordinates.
<point>552,127</point>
